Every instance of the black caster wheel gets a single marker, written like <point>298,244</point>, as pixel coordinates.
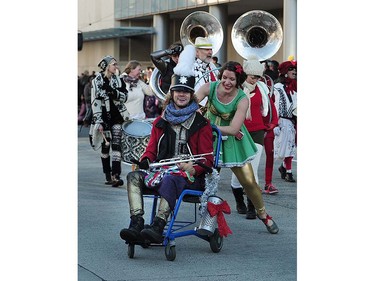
<point>216,242</point>
<point>170,252</point>
<point>131,250</point>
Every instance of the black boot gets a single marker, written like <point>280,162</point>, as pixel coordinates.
<point>250,213</point>
<point>240,204</point>
<point>108,178</point>
<point>155,233</point>
<point>106,164</point>
<point>117,181</point>
<point>289,177</point>
<point>282,171</point>
<point>133,233</point>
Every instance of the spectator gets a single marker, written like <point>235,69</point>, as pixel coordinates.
<point>215,60</point>
<point>137,89</point>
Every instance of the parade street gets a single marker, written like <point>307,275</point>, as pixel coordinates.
<point>250,253</point>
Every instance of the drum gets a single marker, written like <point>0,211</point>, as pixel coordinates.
<point>136,134</point>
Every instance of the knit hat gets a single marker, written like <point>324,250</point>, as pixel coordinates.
<point>252,66</point>
<point>283,67</point>
<point>202,43</point>
<point>183,78</point>
<point>105,61</point>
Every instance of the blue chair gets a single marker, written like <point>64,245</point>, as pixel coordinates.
<point>175,228</point>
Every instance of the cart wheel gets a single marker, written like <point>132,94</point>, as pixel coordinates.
<point>131,251</point>
<point>170,252</point>
<point>216,242</point>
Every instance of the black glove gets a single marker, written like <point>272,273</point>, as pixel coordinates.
<point>107,88</point>
<point>144,164</point>
<point>177,50</point>
<point>110,91</point>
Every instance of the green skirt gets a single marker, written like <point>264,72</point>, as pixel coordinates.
<point>235,153</point>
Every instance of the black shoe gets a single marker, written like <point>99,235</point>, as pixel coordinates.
<point>117,181</point>
<point>289,177</point>
<point>133,233</point>
<point>241,208</point>
<point>250,212</point>
<point>155,233</point>
<point>282,171</point>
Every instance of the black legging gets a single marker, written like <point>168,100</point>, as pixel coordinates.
<point>115,141</point>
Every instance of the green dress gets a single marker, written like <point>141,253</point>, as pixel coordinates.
<point>233,152</point>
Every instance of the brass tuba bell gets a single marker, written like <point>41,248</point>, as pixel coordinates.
<point>202,24</point>
<point>257,33</point>
<point>196,24</point>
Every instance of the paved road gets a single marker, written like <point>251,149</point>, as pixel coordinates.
<point>250,253</point>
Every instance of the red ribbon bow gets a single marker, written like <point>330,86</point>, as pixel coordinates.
<point>239,69</point>
<point>219,209</point>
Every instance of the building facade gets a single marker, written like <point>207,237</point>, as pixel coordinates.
<point>132,29</point>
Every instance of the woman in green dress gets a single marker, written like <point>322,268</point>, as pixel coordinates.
<point>226,108</point>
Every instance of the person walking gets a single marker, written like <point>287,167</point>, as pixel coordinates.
<point>226,107</point>
<point>271,121</point>
<point>108,96</point>
<point>257,94</point>
<point>286,104</point>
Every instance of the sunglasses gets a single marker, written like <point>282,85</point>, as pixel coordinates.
<point>292,68</point>
<point>254,77</point>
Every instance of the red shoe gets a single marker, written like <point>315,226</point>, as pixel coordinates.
<point>270,189</point>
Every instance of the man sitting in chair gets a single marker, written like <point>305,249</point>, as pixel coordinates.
<point>180,130</point>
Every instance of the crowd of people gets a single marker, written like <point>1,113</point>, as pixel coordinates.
<point>253,103</point>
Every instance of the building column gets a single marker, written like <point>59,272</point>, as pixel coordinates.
<point>290,29</point>
<point>219,12</point>
<point>160,39</point>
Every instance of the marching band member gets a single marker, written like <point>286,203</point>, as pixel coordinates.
<point>205,69</point>
<point>286,104</point>
<point>227,107</point>
<point>180,130</point>
<point>165,66</point>
<point>108,97</point>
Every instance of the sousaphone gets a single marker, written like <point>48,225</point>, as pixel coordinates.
<point>196,24</point>
<point>257,33</point>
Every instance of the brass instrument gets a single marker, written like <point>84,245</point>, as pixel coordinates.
<point>202,24</point>
<point>181,159</point>
<point>257,33</point>
<point>196,24</point>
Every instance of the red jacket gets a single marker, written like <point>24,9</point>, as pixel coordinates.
<point>162,141</point>
<point>256,123</point>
